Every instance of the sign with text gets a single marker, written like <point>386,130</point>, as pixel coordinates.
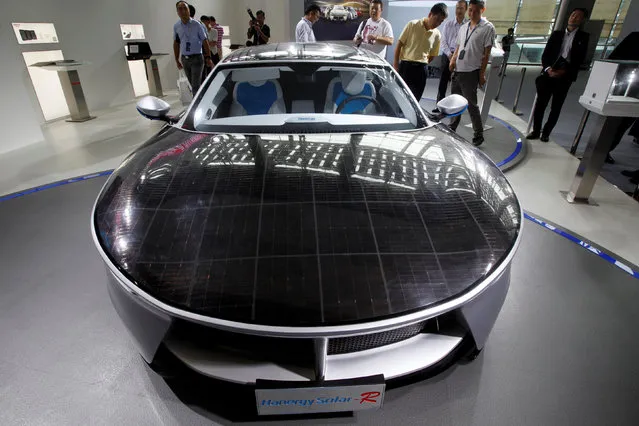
<point>132,31</point>
<point>30,33</point>
<point>327,397</point>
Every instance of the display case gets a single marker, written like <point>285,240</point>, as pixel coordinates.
<point>613,89</point>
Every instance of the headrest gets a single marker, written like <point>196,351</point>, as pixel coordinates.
<point>353,81</point>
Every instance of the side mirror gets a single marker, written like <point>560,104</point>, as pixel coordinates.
<point>453,105</point>
<point>154,109</point>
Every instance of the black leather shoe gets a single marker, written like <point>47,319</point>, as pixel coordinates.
<point>435,111</point>
<point>478,140</point>
<point>630,173</point>
<point>532,136</point>
<point>609,159</point>
<point>544,138</point>
<point>635,181</point>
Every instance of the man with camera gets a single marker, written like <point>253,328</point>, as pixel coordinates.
<point>258,30</point>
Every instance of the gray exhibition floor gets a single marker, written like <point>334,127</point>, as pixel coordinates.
<point>564,350</point>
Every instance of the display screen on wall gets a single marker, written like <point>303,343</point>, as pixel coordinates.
<point>339,20</point>
<point>27,33</point>
<point>132,31</point>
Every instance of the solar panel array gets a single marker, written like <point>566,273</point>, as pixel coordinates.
<point>316,230</point>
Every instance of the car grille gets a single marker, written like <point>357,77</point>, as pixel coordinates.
<point>344,345</point>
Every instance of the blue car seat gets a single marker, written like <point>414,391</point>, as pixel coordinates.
<point>350,83</point>
<point>257,95</point>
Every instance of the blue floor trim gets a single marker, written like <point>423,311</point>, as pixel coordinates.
<point>54,185</point>
<point>515,132</point>
<point>585,245</point>
<point>518,139</point>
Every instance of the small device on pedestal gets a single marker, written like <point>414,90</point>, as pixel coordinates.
<point>612,93</point>
<point>140,50</point>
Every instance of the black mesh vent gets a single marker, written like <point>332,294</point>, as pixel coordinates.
<point>344,345</point>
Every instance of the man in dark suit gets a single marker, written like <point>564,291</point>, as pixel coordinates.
<point>564,54</point>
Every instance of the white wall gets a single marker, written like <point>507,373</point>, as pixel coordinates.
<point>89,31</point>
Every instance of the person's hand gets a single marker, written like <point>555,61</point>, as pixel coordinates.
<point>557,74</point>
<point>452,66</point>
<point>372,38</point>
<point>179,65</point>
<point>396,66</point>
<point>251,23</point>
<point>209,63</point>
<point>482,79</point>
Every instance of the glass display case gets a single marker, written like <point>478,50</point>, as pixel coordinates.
<point>613,89</point>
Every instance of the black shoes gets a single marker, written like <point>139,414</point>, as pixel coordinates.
<point>478,140</point>
<point>633,175</point>
<point>536,135</point>
<point>609,159</point>
<point>435,111</point>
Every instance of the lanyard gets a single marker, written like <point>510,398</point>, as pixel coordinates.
<point>471,33</point>
<point>187,29</point>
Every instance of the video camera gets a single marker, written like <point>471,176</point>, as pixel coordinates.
<point>253,18</point>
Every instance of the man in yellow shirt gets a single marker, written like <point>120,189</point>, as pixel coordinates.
<point>417,47</point>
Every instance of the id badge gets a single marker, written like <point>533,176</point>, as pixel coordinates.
<point>188,46</point>
<point>462,54</point>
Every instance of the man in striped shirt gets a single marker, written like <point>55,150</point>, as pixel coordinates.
<point>220,34</point>
<point>450,30</point>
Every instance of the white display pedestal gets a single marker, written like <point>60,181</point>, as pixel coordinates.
<point>70,80</point>
<point>611,95</point>
<point>153,75</point>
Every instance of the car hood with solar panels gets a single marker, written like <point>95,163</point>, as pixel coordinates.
<point>310,226</point>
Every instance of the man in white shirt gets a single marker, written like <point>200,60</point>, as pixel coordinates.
<point>450,31</point>
<point>376,33</point>
<point>304,29</point>
<point>468,64</point>
<point>212,32</point>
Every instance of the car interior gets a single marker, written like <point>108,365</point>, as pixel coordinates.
<point>304,90</point>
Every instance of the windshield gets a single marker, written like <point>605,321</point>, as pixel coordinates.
<point>304,98</point>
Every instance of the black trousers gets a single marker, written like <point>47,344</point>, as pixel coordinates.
<point>547,88</point>
<point>444,78</point>
<point>621,130</point>
<point>414,74</point>
<point>466,84</point>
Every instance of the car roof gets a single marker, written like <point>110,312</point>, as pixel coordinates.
<point>305,51</point>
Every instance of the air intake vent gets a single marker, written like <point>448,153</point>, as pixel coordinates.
<point>344,345</point>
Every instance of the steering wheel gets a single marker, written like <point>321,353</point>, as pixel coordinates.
<point>342,104</point>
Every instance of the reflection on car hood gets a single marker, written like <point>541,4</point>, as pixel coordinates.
<point>303,230</point>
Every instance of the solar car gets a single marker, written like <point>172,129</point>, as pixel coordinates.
<point>305,223</point>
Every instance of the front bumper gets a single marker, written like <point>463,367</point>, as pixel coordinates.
<point>244,356</point>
